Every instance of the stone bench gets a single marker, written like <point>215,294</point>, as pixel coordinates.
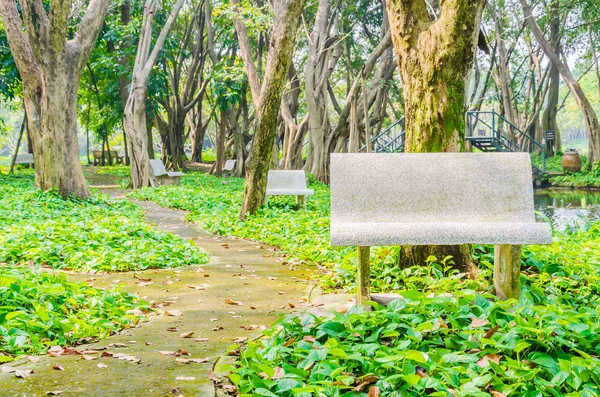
<point>228,168</point>
<point>25,158</point>
<point>287,183</point>
<point>436,199</point>
<point>164,177</point>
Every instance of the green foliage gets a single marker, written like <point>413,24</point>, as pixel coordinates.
<point>39,309</point>
<point>583,178</point>
<point>444,338</point>
<point>102,234</point>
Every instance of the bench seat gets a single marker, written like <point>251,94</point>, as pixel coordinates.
<point>174,174</point>
<point>446,233</point>
<point>290,192</point>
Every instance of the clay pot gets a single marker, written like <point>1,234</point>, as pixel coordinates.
<point>571,161</point>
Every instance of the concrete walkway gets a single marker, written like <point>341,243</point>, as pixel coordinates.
<point>253,275</point>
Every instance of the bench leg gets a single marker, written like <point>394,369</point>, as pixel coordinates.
<point>364,275</point>
<point>300,200</point>
<point>266,201</point>
<point>176,180</point>
<point>507,271</point>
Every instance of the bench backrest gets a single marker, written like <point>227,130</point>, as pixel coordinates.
<point>25,158</point>
<point>158,168</point>
<point>431,187</point>
<point>229,165</point>
<point>288,179</point>
<point>97,154</point>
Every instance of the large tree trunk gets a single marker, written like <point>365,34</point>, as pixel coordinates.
<point>50,67</point>
<point>435,59</point>
<point>589,115</point>
<point>287,14</point>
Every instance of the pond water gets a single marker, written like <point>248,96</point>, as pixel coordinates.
<point>568,208</point>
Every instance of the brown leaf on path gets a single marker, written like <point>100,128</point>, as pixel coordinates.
<point>240,339</point>
<point>127,357</point>
<point>7,370</point>
<point>168,282</point>
<point>485,360</point>
<point>118,345</point>
<point>366,381</point>
<point>213,377</point>
<point>54,392</point>
<point>190,286</point>
<point>253,307</point>
<point>201,339</point>
<point>479,322</point>
<point>141,278</point>
<point>57,367</point>
<point>491,332</point>
<point>374,391</point>
<point>271,278</point>
<point>172,329</point>
<point>217,328</point>
<point>180,352</point>
<point>185,378</point>
<point>187,334</point>
<point>192,360</point>
<point>106,354</point>
<point>32,359</point>
<point>232,302</point>
<point>23,373</point>
<point>88,358</point>
<point>174,313</point>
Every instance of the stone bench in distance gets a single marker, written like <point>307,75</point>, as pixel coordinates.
<point>25,158</point>
<point>164,177</point>
<point>436,199</point>
<point>228,168</point>
<point>287,183</point>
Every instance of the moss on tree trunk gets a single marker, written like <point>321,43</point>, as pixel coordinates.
<point>435,60</point>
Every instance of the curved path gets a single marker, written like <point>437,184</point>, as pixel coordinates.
<point>239,271</point>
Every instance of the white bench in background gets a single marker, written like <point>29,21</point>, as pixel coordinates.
<point>25,158</point>
<point>165,177</point>
<point>287,183</point>
<point>228,168</point>
<point>436,199</point>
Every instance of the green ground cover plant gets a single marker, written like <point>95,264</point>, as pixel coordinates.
<point>447,336</point>
<point>583,178</point>
<point>99,235</point>
<point>40,309</point>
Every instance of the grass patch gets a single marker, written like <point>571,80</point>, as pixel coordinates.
<point>39,309</point>
<point>98,235</point>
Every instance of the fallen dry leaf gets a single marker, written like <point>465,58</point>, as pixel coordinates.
<point>167,282</point>
<point>23,373</point>
<point>89,358</point>
<point>32,359</point>
<point>491,332</point>
<point>240,339</point>
<point>232,302</point>
<point>54,392</point>
<point>495,393</point>
<point>127,357</point>
<point>58,367</point>
<point>278,374</point>
<point>192,360</point>
<point>185,378</point>
<point>55,351</point>
<point>187,335</point>
<point>141,278</point>
<point>172,329</point>
<point>213,377</point>
<point>308,338</point>
<point>374,391</point>
<point>190,286</point>
<point>201,339</point>
<point>271,278</point>
<point>366,381</point>
<point>118,345</point>
<point>478,322</point>
<point>485,360</point>
<point>174,313</point>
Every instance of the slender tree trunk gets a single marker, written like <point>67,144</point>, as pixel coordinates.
<point>287,14</point>
<point>589,115</point>
<point>221,137</point>
<point>435,60</point>
<point>551,110</point>
<point>135,107</point>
